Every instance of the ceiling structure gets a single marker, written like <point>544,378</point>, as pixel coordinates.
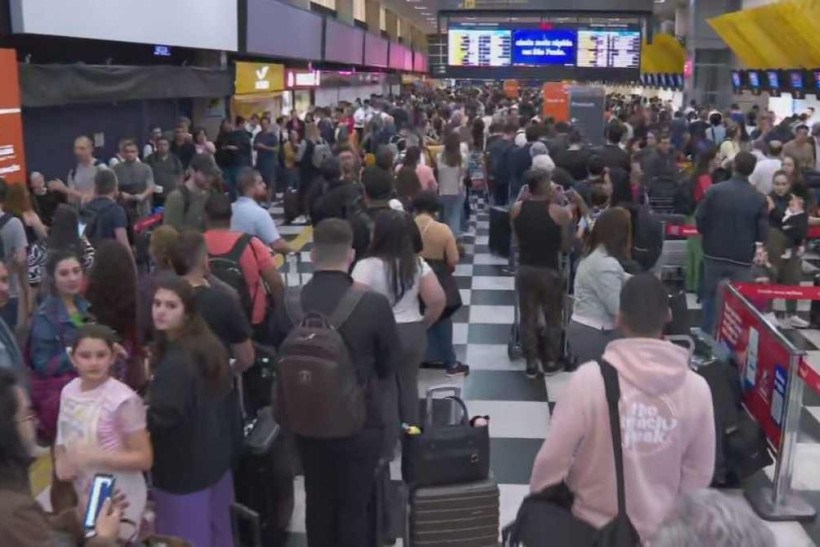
<point>422,13</point>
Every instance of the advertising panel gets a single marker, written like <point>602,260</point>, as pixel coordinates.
<point>12,155</point>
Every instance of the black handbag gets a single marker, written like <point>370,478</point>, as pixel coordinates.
<point>446,454</point>
<point>545,518</point>
<point>448,283</point>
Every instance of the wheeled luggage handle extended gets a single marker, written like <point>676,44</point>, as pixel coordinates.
<point>682,339</point>
<point>456,393</point>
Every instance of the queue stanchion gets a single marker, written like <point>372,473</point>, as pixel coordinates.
<point>769,369</point>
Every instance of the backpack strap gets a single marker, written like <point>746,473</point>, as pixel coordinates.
<point>613,395</point>
<point>235,253</point>
<point>293,304</point>
<point>346,305</point>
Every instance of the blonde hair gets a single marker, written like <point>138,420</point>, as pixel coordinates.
<point>162,240</point>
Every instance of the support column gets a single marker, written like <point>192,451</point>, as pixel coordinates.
<point>712,60</point>
<point>391,25</point>
<point>371,14</point>
<point>344,11</point>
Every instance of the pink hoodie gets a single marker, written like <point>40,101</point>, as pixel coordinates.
<point>667,432</point>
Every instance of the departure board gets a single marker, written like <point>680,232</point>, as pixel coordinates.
<point>479,48</point>
<point>609,49</point>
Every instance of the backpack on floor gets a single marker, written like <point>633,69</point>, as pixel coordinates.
<point>228,269</point>
<point>318,390</point>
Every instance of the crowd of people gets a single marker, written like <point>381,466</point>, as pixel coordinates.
<point>125,347</point>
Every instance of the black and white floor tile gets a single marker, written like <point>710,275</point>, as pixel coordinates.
<point>519,408</point>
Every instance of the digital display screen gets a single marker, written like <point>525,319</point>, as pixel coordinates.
<point>375,50</point>
<point>343,44</point>
<point>281,30</point>
<point>754,79</point>
<point>679,81</point>
<point>736,83</point>
<point>796,79</point>
<point>773,78</point>
<point>580,43</point>
<point>817,79</point>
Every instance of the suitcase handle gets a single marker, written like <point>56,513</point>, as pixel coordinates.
<point>240,512</point>
<point>455,390</point>
<point>684,339</point>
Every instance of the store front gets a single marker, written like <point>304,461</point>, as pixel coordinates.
<point>259,89</point>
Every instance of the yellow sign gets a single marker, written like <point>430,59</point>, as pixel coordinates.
<point>259,78</point>
<point>469,4</point>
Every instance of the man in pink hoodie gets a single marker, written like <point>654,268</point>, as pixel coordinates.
<point>667,422</point>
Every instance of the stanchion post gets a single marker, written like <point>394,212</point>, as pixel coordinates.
<point>780,502</point>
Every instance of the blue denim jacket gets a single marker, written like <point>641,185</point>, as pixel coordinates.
<point>51,333</point>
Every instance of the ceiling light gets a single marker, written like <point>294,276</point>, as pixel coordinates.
<point>419,7</point>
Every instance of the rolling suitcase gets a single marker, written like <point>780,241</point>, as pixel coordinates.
<point>500,231</point>
<point>291,204</point>
<point>263,482</point>
<point>460,515</point>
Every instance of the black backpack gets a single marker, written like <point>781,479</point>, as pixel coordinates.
<point>318,390</point>
<point>91,218</point>
<point>227,268</point>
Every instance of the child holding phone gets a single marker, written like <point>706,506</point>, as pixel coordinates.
<point>102,425</point>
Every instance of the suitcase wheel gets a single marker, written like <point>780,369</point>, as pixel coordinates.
<point>514,349</point>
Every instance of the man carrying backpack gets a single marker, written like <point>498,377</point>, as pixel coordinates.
<point>103,217</point>
<point>336,340</point>
<point>185,206</point>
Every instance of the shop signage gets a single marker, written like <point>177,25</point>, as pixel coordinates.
<point>259,78</point>
<point>303,78</point>
<point>12,155</point>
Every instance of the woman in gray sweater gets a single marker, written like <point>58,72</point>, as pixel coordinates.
<point>598,284</point>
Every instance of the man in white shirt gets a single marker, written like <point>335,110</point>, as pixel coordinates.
<point>80,181</point>
<point>766,166</point>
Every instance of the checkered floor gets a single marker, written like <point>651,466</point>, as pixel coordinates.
<point>520,408</point>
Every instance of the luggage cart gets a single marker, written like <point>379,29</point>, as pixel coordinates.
<point>672,262</point>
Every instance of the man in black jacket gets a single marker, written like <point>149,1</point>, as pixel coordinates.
<point>612,153</point>
<point>340,474</point>
<point>733,220</point>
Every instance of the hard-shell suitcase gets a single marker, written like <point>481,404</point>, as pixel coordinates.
<point>291,204</point>
<point>500,231</point>
<point>461,515</point>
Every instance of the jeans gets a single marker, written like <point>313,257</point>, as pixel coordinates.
<point>453,209</point>
<point>440,343</point>
<point>715,271</point>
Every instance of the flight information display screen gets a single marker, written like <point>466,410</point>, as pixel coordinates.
<point>520,47</point>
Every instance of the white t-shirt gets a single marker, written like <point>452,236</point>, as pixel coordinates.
<point>373,273</point>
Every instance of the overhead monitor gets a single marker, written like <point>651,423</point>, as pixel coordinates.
<point>343,43</point>
<point>773,79</point>
<point>279,30</point>
<point>754,79</point>
<point>544,46</point>
<point>206,24</point>
<point>737,81</point>
<point>375,51</point>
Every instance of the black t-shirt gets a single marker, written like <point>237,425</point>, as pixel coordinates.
<point>223,314</point>
<point>574,161</point>
<point>185,152</point>
<point>102,217</point>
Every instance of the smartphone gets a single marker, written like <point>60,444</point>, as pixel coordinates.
<point>102,488</point>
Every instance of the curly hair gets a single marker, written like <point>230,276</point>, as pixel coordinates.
<point>112,288</point>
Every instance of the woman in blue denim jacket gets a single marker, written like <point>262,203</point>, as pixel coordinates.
<point>53,328</point>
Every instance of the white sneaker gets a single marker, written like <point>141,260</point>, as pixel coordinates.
<point>771,319</point>
<point>301,219</point>
<point>798,322</point>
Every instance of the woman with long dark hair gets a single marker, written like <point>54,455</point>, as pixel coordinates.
<point>63,236</point>
<point>191,421</point>
<point>394,270</point>
<point>598,283</point>
<point>452,166</point>
<point>112,292</point>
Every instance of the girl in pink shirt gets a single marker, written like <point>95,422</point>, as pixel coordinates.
<point>101,427</point>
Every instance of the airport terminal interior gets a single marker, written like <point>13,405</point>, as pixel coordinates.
<point>426,273</point>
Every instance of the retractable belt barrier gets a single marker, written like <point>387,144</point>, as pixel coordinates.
<point>690,230</point>
<point>773,374</point>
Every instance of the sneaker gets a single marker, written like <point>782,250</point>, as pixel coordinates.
<point>798,322</point>
<point>458,369</point>
<point>301,219</point>
<point>551,368</point>
<point>771,319</point>
<point>532,370</point>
